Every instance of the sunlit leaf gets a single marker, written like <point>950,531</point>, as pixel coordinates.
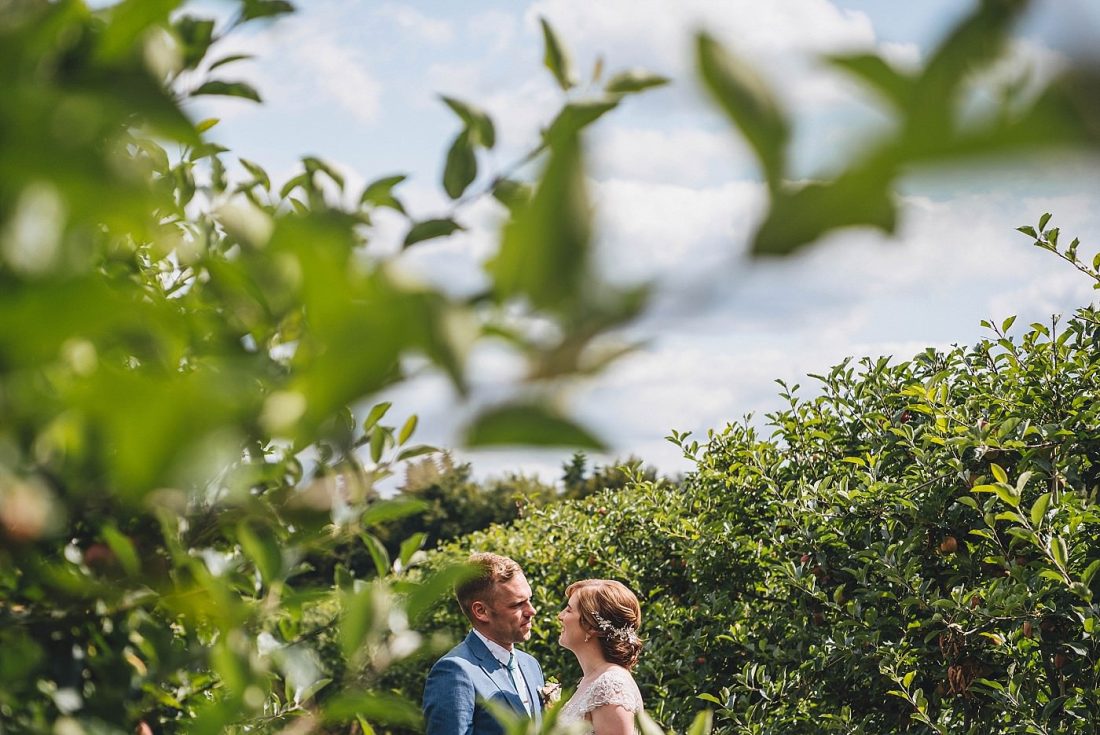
<point>229,60</point>
<point>407,430</point>
<point>460,169</point>
<point>439,586</point>
<point>431,229</point>
<point>556,58</point>
<point>262,549</point>
<point>266,8</point>
<point>195,35</point>
<point>748,102</point>
<point>128,20</point>
<point>634,80</point>
<point>375,415</point>
<point>1039,508</point>
<point>702,723</point>
<point>876,72</point>
<point>384,511</point>
<point>479,124</point>
<point>228,89</point>
<point>380,193</point>
<point>545,248</point>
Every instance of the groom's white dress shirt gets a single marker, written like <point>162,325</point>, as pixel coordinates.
<point>502,654</point>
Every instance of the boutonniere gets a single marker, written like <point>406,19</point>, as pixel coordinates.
<point>550,692</point>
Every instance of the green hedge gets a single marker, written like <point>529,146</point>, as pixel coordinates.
<point>913,548</point>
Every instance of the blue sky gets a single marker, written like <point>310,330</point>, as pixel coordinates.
<point>357,84</point>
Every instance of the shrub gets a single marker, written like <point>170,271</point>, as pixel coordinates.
<point>914,548</point>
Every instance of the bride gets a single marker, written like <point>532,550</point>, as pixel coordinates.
<point>599,625</point>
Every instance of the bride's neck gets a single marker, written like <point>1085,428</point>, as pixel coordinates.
<point>592,661</point>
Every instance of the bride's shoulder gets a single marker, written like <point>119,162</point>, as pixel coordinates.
<point>614,671</point>
<point>616,686</point>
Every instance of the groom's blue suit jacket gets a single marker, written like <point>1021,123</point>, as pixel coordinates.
<point>466,677</point>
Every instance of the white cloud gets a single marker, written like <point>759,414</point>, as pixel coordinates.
<point>687,156</point>
<point>416,24</point>
<point>345,78</point>
<point>496,27</point>
<point>677,233</point>
<point>779,38</point>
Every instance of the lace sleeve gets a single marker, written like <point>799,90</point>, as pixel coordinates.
<point>615,686</point>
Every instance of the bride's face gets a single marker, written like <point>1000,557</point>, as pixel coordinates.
<point>572,632</point>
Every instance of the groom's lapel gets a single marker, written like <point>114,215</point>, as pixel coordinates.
<point>496,671</point>
<point>530,674</point>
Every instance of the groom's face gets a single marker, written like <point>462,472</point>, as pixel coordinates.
<point>507,615</point>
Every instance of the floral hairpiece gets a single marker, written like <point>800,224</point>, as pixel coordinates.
<point>625,633</point>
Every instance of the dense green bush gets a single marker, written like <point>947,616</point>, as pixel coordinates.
<point>914,548</point>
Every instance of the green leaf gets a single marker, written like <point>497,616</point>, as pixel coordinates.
<point>377,707</point>
<point>702,723</point>
<point>800,214</point>
<point>709,698</point>
<point>1007,323</point>
<point>544,249</point>
<point>385,511</point>
<point>204,125</point>
<point>378,553</point>
<point>1044,220</point>
<point>376,413</point>
<point>380,193</point>
<point>262,549</point>
<point>1008,494</point>
<point>254,9</point>
<point>1029,231</point>
<point>1090,572</point>
<point>127,21</point>
<point>407,430</point>
<point>410,546</point>
<point>378,441</point>
<point>228,89</point>
<point>438,586</point>
<point>229,60</point>
<point>418,450</point>
<point>528,424</point>
<point>749,104</point>
<point>257,173</point>
<point>1039,509</point>
<point>461,167</point>
<point>576,116</point>
<point>195,36</point>
<point>896,87</point>
<point>555,58</point>
<point>313,164</point>
<point>306,693</point>
<point>998,472</point>
<point>477,123</point>
<point>431,229</point>
<point>357,619</point>
<point>634,80</point>
<point>301,179</point>
<point>512,194</point>
<point>123,548</point>
<point>1058,550</point>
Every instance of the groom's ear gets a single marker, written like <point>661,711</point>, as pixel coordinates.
<point>480,611</point>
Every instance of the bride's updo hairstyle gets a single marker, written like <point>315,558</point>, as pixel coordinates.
<point>610,612</point>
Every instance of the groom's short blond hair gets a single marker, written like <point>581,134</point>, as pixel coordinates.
<point>487,571</point>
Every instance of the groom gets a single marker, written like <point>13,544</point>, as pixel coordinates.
<point>486,667</point>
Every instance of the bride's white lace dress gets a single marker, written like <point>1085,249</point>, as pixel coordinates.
<point>614,686</point>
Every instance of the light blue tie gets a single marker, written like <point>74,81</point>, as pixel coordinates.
<point>517,680</point>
